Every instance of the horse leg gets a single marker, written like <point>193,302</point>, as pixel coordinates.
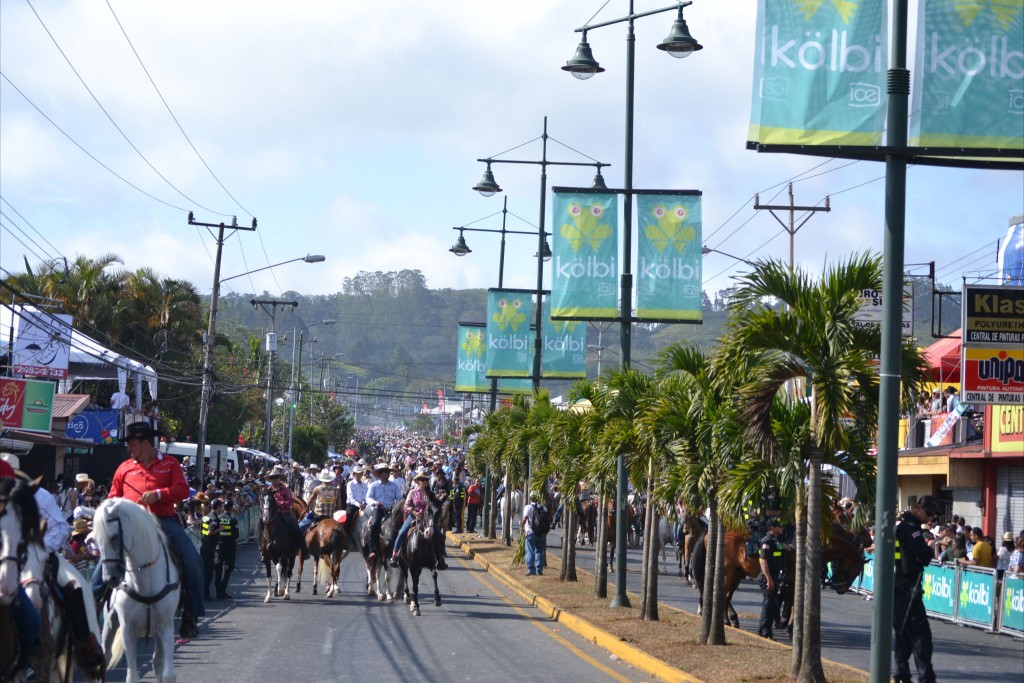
<point>285,567</point>
<point>163,655</point>
<point>271,588</point>
<point>437,593</point>
<point>415,606</point>
<point>131,643</point>
<point>298,577</point>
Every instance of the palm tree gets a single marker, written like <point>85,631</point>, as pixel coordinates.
<point>816,329</point>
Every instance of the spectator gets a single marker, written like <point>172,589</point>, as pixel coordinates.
<point>938,405</point>
<point>956,551</point>
<point>982,555</point>
<point>1016,564</point>
<point>952,399</point>
<point>473,500</point>
<point>1006,548</point>
<point>119,400</point>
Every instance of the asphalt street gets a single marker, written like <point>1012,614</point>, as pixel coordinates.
<point>481,632</point>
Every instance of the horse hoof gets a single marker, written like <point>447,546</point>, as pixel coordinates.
<point>286,597</point>
<point>380,598</point>
<point>408,600</point>
<point>437,602</point>
<point>266,599</point>
<point>391,600</point>
<point>416,612</point>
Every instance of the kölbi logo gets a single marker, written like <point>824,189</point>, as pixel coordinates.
<point>509,314</point>
<point>674,269</point>
<point>566,343</point>
<point>473,344</point>
<point>669,228</point>
<point>975,594</point>
<point>1014,601</point>
<point>586,226</point>
<point>472,365</point>
<point>591,266</point>
<point>937,587</point>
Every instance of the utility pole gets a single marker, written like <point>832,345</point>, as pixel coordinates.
<point>273,305</point>
<point>211,331</point>
<point>791,227</point>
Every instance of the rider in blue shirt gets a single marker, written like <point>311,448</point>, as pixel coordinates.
<point>381,496</point>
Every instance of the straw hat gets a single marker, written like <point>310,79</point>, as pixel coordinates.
<point>381,467</point>
<point>421,473</point>
<point>81,526</point>
<point>276,473</point>
<point>83,478</point>
<point>1008,536</point>
<point>325,476</point>
<point>202,497</point>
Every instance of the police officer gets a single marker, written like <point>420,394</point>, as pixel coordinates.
<point>909,619</point>
<point>208,546</point>
<point>773,568</point>
<point>226,542</point>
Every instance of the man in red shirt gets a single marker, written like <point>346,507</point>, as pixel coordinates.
<point>156,481</point>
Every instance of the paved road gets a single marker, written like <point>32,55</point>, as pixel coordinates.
<point>960,653</point>
<point>480,633</point>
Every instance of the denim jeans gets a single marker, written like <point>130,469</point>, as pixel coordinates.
<point>534,557</point>
<point>192,566</point>
<point>402,532</point>
<point>27,622</point>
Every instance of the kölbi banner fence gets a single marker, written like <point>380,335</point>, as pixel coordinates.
<point>585,249</point>
<point>668,271</point>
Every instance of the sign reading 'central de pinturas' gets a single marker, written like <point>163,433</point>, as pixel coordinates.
<point>993,315</point>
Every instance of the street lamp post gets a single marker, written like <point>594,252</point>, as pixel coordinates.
<point>297,332</point>
<point>708,250</point>
<point>679,43</point>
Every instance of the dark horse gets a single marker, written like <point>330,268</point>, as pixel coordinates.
<point>378,571</point>
<point>417,554</point>
<point>278,547</point>
<point>845,557</point>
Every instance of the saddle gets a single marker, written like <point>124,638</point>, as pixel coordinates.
<point>70,600</point>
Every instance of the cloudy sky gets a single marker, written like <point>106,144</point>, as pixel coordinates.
<point>353,129</point>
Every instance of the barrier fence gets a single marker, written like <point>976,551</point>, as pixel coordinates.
<point>971,596</point>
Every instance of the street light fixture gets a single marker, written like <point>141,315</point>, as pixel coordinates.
<point>308,258</point>
<point>708,250</point>
<point>487,187</point>
<point>679,43</point>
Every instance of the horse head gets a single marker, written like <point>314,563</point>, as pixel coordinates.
<point>127,536</point>
<point>19,526</point>
<point>847,562</point>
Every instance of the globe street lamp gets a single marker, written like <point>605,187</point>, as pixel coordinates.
<point>488,187</point>
<point>679,43</point>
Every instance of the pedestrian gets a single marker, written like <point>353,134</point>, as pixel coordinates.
<point>773,570</point>
<point>227,541</point>
<point>981,555</point>
<point>458,502</point>
<point>210,530</point>
<point>473,500</point>
<point>910,622</point>
<point>535,528</point>
<point>1006,549</point>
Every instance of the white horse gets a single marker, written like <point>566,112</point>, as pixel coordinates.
<point>517,507</point>
<point>19,522</point>
<point>137,561</point>
<point>666,538</point>
<point>57,648</point>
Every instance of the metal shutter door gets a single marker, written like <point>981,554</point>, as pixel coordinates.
<point>1009,500</point>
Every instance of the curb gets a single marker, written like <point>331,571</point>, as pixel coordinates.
<point>624,651</point>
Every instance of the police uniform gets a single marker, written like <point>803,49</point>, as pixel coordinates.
<point>770,549</point>
<point>208,547</point>
<point>910,622</point>
<point>227,540</point>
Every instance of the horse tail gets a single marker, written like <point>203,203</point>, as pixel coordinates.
<point>116,648</point>
<point>698,559</point>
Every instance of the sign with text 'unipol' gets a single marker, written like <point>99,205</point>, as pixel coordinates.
<point>668,277</point>
<point>584,250</point>
<point>819,73</point>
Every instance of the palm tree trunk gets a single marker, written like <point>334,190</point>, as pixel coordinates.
<point>650,601</point>
<point>811,670</point>
<point>645,562</point>
<point>797,615</point>
<point>718,605</point>
<point>506,514</point>
<point>709,573</point>
<point>569,541</point>
<point>600,568</point>
<point>490,524</point>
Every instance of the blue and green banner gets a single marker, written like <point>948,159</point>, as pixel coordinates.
<point>977,597</point>
<point>515,386</point>
<point>509,338</point>
<point>938,586</point>
<point>1012,615</point>
<point>820,73</point>
<point>585,249</point>
<point>967,85</point>
<point>564,350</point>
<point>668,268</point>
<point>867,575</point>
<point>471,355</point>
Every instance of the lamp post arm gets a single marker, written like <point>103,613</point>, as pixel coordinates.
<point>633,15</point>
<point>545,162</point>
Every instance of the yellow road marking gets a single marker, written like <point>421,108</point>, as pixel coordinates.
<point>542,626</point>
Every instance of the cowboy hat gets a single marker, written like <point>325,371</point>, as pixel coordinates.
<point>15,463</point>
<point>202,497</point>
<point>358,469</point>
<point>140,430</point>
<point>83,478</point>
<point>1008,536</point>
<point>325,476</point>
<point>81,526</point>
<point>312,466</point>
<point>421,473</point>
<point>381,467</point>
<point>276,473</point>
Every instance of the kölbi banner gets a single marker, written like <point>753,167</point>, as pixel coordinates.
<point>585,249</point>
<point>509,338</point>
<point>564,349</point>
<point>471,366</point>
<point>668,270</point>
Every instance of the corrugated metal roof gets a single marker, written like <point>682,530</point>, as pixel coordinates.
<point>66,406</point>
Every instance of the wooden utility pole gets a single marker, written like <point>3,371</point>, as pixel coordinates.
<point>791,226</point>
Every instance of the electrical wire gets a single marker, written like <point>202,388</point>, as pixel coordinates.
<point>26,222</point>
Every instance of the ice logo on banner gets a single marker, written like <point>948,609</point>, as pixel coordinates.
<point>509,314</point>
<point>587,226</point>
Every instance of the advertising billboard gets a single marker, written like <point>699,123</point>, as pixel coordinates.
<point>993,315</point>
<point>26,404</point>
<point>992,376</point>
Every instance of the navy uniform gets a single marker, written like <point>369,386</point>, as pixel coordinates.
<point>208,545</point>
<point>773,565</point>
<point>227,540</point>
<point>909,620</point>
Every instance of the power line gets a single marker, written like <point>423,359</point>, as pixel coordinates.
<point>25,220</point>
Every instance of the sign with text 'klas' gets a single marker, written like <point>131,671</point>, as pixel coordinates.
<point>564,349</point>
<point>819,73</point>
<point>968,84</point>
<point>471,358</point>
<point>668,271</point>
<point>584,250</point>
<point>509,338</point>
<point>993,315</point>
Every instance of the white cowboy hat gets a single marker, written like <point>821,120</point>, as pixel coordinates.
<point>382,467</point>
<point>15,464</point>
<point>421,473</point>
<point>358,469</point>
<point>312,466</point>
<point>83,478</point>
<point>276,473</point>
<point>325,476</point>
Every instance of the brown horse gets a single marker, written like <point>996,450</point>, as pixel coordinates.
<point>692,529</point>
<point>327,542</point>
<point>844,556</point>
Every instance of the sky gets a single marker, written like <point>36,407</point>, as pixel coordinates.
<point>353,130</point>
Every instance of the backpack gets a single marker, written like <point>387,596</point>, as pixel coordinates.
<point>540,519</point>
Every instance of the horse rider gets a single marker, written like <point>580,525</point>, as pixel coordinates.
<point>381,496</point>
<point>279,497</point>
<point>396,476</point>
<point>773,569</point>
<point>227,541</point>
<point>910,622</point>
<point>355,495</point>
<point>415,511</point>
<point>322,502</point>
<point>210,533</point>
<point>156,481</point>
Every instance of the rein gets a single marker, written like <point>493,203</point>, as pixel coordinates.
<point>121,561</point>
<point>21,550</point>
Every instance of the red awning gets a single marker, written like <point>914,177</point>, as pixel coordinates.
<point>943,358</point>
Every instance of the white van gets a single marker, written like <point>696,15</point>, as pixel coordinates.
<point>221,458</point>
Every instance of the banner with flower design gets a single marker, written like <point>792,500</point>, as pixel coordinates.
<point>668,268</point>
<point>470,365</point>
<point>509,338</point>
<point>585,250</point>
<point>564,350</point>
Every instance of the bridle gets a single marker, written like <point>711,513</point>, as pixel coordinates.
<point>21,549</point>
<point>121,561</point>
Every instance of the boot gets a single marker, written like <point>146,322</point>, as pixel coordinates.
<point>88,651</point>
<point>189,628</point>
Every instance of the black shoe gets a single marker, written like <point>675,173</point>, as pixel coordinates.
<point>206,596</point>
<point>189,629</point>
<point>224,596</point>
